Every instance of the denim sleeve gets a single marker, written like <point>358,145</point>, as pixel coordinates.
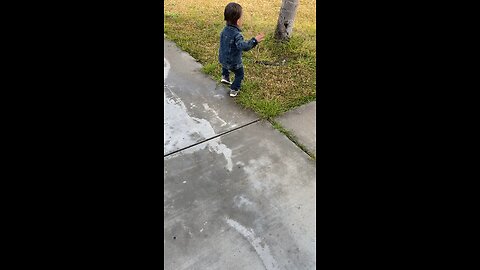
<point>244,45</point>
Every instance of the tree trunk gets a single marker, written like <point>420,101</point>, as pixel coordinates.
<point>285,19</point>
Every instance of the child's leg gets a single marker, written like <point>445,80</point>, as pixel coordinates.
<point>225,74</point>
<point>238,79</point>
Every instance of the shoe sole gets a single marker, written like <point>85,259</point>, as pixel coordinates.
<point>226,82</point>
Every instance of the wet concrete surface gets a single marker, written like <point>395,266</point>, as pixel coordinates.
<point>242,200</point>
<point>195,106</point>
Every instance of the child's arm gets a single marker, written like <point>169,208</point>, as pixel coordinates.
<point>245,45</point>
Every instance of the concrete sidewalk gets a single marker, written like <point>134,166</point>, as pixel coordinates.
<point>302,123</point>
<point>238,194</point>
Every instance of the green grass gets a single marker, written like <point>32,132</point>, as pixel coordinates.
<point>195,25</point>
<point>171,15</point>
<point>210,69</point>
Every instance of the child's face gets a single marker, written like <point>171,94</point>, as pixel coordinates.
<point>240,21</point>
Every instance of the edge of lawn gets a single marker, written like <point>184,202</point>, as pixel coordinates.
<point>266,109</point>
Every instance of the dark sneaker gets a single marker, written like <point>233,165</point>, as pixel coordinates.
<point>234,93</point>
<point>225,81</point>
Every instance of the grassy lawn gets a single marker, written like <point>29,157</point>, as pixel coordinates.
<point>269,90</point>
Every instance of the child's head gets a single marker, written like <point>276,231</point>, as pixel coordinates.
<point>233,14</point>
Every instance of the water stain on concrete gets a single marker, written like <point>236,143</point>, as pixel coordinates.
<point>260,247</point>
<point>182,130</point>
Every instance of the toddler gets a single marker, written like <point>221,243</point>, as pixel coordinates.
<point>232,45</point>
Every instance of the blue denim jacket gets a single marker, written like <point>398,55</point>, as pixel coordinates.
<point>231,47</point>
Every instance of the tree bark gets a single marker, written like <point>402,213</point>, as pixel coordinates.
<point>285,20</point>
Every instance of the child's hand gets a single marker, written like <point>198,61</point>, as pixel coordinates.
<point>260,37</point>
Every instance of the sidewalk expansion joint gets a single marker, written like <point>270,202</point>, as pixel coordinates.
<point>209,139</point>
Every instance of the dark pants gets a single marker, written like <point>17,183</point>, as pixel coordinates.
<point>238,77</point>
